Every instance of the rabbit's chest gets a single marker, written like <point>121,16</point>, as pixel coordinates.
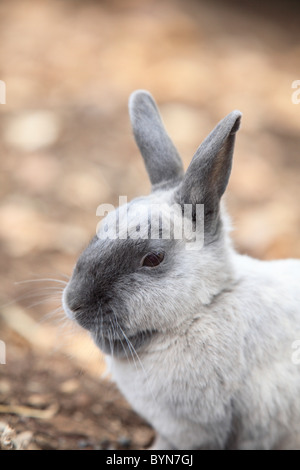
<point>174,389</point>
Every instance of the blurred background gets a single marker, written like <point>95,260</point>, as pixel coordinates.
<point>66,146</point>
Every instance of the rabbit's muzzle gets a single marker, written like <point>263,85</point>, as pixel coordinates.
<point>103,322</point>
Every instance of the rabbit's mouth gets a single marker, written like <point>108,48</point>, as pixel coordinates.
<point>120,344</point>
<point>107,331</point>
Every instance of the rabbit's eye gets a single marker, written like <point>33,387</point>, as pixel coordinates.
<point>153,259</point>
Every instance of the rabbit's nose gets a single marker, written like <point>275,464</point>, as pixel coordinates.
<point>75,307</point>
<point>70,299</point>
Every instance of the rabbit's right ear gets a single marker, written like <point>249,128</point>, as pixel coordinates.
<point>207,176</point>
<point>161,158</point>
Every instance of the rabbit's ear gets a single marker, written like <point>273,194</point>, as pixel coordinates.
<point>208,173</point>
<point>161,158</point>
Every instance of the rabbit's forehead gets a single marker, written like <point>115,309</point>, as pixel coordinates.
<point>140,216</point>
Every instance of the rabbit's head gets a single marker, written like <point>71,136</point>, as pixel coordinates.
<point>158,258</point>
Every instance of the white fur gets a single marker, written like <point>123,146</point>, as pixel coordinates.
<point>218,372</point>
<point>226,359</point>
<point>233,352</point>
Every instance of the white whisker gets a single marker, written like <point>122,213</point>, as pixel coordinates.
<point>45,279</point>
<point>134,352</point>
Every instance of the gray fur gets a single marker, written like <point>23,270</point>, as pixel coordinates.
<point>161,158</point>
<point>207,176</point>
<point>200,345</point>
<point>96,290</point>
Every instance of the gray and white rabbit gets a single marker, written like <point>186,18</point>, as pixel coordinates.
<point>198,338</point>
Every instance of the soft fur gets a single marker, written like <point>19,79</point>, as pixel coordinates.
<point>200,345</point>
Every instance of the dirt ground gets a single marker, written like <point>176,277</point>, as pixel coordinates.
<point>66,147</point>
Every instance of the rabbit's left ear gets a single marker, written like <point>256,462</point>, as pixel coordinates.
<point>161,158</point>
<point>207,176</point>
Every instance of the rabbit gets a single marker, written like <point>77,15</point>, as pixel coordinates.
<point>198,338</point>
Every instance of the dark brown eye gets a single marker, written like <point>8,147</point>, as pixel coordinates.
<point>153,259</point>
